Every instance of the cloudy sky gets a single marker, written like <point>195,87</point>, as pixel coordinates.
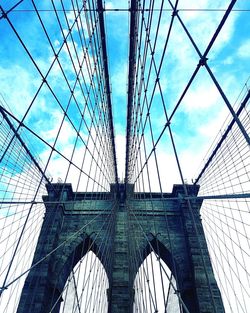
<point>202,110</point>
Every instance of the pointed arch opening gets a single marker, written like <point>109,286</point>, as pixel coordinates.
<point>87,287</point>
<point>155,287</point>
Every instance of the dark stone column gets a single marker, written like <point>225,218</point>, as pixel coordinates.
<point>38,293</point>
<point>204,287</point>
<point>120,301</point>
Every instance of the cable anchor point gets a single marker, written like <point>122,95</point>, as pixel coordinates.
<point>4,14</point>
<point>175,12</point>
<point>203,61</point>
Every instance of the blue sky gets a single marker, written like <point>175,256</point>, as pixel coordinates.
<point>201,113</point>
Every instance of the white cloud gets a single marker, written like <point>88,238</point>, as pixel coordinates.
<point>109,5</point>
<point>67,132</point>
<point>205,96</point>
<point>210,128</point>
<point>244,50</point>
<point>18,86</point>
<point>202,24</point>
<point>120,144</point>
<point>123,4</point>
<point>228,61</point>
<point>119,80</point>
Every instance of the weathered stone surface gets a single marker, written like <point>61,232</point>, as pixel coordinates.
<point>172,226</point>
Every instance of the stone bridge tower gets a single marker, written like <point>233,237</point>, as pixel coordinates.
<point>50,275</point>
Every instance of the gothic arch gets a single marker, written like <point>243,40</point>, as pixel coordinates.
<point>62,266</point>
<point>83,285</point>
<point>155,286</point>
<point>180,269</point>
<point>162,251</point>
